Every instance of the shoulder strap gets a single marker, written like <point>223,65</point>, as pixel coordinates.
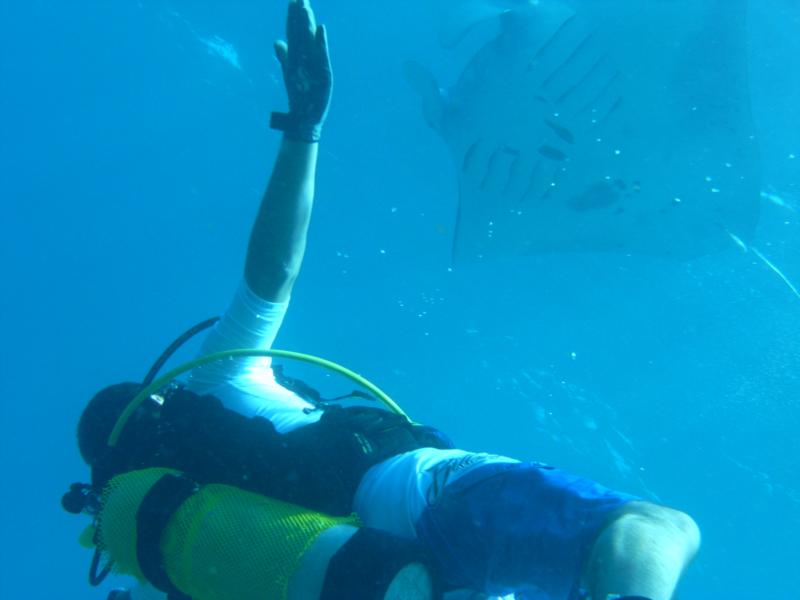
<point>155,511</point>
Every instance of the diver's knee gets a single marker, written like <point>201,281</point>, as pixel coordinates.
<point>660,525</point>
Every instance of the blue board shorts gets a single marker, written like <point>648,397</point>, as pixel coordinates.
<point>523,528</point>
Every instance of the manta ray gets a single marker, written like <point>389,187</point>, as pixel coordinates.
<point>589,125</point>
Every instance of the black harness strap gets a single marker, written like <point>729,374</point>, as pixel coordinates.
<point>155,511</point>
<point>333,454</point>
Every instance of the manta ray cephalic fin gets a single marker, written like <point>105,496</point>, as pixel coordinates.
<point>424,83</point>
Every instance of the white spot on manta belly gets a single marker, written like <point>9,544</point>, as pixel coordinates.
<point>216,46</point>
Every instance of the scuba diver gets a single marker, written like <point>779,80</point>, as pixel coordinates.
<point>237,434</point>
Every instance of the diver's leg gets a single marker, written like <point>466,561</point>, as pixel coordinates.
<point>412,582</point>
<point>531,529</point>
<point>306,583</point>
<point>345,561</point>
<point>642,551</point>
<point>470,595</point>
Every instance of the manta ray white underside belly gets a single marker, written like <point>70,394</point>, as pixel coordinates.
<point>612,125</point>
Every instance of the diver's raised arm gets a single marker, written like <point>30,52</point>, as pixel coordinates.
<point>278,238</point>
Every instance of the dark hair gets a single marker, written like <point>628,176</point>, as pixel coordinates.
<point>100,416</point>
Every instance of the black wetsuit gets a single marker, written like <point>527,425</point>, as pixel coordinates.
<point>317,466</point>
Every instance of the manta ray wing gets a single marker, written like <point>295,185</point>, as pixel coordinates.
<point>457,18</point>
<point>594,126</point>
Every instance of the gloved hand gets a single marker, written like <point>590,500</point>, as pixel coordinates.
<point>307,74</point>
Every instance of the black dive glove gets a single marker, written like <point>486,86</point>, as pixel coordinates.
<point>306,73</point>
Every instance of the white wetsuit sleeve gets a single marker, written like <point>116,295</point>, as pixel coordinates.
<point>247,385</point>
<point>249,322</point>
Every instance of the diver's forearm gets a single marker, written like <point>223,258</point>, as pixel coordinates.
<point>278,238</point>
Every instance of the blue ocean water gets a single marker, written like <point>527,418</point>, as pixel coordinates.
<point>134,149</point>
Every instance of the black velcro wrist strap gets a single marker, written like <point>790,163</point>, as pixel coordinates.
<point>280,121</point>
<point>155,511</point>
<point>294,129</point>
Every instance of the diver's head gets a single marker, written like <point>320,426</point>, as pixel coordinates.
<point>100,416</point>
<point>104,410</point>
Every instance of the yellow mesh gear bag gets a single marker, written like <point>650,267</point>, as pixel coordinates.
<point>116,521</point>
<point>223,543</point>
